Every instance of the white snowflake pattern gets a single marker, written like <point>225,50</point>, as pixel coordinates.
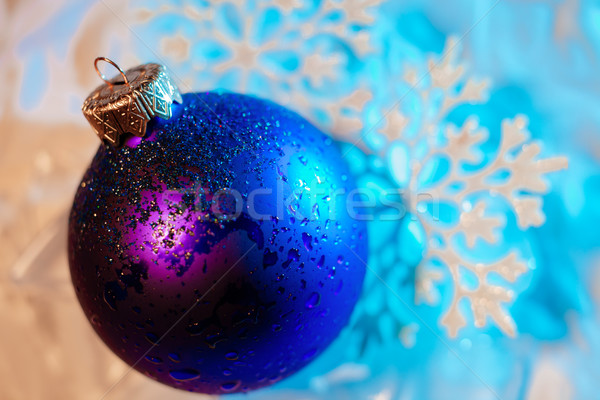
<point>444,89</point>
<point>287,51</point>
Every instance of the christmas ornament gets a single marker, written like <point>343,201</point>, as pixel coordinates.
<point>210,247</point>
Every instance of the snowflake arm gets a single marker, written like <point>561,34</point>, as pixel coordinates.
<point>486,298</point>
<point>526,170</point>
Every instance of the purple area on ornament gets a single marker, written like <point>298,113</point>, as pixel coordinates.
<point>192,295</point>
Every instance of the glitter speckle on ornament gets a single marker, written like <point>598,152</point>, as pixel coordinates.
<point>209,254</point>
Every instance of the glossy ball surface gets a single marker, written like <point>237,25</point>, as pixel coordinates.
<point>189,292</point>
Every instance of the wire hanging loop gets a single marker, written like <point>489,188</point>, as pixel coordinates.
<point>114,64</point>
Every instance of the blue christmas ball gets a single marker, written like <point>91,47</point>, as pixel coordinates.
<point>218,253</point>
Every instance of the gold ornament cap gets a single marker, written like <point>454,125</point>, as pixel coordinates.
<point>124,104</point>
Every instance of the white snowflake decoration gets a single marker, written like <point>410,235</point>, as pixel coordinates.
<point>315,42</point>
<point>442,91</point>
